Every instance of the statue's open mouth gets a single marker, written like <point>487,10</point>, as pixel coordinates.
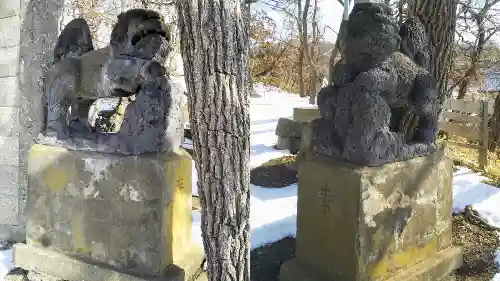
<point>123,92</point>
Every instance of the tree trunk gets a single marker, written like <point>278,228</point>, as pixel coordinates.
<point>313,54</point>
<point>401,4</point>
<point>471,73</point>
<point>463,86</point>
<point>495,125</point>
<point>439,18</point>
<point>336,50</point>
<point>302,87</point>
<point>214,42</point>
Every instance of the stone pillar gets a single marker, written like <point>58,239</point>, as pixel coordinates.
<point>28,31</point>
<point>10,38</point>
<point>391,222</point>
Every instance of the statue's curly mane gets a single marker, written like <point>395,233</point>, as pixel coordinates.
<point>119,32</point>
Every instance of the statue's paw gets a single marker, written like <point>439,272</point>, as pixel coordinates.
<point>432,147</point>
<point>152,70</point>
<point>57,130</point>
<point>425,136</point>
<point>79,126</point>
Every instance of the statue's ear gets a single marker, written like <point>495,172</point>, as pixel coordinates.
<point>75,40</point>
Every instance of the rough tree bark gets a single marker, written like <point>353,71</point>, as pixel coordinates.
<point>495,125</point>
<point>439,18</point>
<point>313,56</point>
<point>214,42</point>
<point>300,26</point>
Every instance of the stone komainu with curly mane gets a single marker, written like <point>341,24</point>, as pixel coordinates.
<point>80,75</point>
<point>373,83</point>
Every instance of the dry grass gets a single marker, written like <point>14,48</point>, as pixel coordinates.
<point>468,157</point>
<point>287,160</point>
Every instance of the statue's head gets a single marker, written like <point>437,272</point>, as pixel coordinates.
<point>139,33</point>
<point>370,35</point>
<point>121,76</point>
<point>124,74</point>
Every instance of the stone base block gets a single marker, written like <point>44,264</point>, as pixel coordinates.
<point>372,223</point>
<point>289,128</point>
<point>62,267</point>
<point>434,268</point>
<point>305,114</point>
<point>292,144</point>
<point>132,214</point>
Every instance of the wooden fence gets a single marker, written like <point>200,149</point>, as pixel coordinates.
<point>468,119</point>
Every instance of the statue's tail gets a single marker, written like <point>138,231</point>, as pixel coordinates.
<point>75,40</point>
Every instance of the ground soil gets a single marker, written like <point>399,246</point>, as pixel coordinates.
<point>275,176</point>
<point>276,173</point>
<point>479,246</point>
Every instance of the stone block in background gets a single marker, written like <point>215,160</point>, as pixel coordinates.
<point>289,128</point>
<point>125,214</point>
<point>305,114</point>
<point>391,222</point>
<point>289,134</point>
<point>285,143</point>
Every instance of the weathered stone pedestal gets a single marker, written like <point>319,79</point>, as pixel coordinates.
<point>391,222</point>
<point>98,217</point>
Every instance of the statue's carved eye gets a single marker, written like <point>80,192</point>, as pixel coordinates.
<point>144,33</point>
<point>136,38</point>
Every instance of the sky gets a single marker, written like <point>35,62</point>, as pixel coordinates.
<point>331,15</point>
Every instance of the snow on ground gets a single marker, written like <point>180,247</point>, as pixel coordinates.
<point>483,198</point>
<point>5,263</point>
<point>273,211</point>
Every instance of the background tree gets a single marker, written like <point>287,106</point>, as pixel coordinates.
<point>315,77</point>
<point>214,43</point>
<point>266,47</point>
<point>301,50</point>
<point>477,23</point>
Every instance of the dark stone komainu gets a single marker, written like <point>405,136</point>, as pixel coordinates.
<point>128,67</point>
<point>378,85</point>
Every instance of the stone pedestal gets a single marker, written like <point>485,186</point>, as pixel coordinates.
<point>289,131</point>
<point>305,114</point>
<point>289,134</point>
<point>391,222</point>
<point>101,217</point>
